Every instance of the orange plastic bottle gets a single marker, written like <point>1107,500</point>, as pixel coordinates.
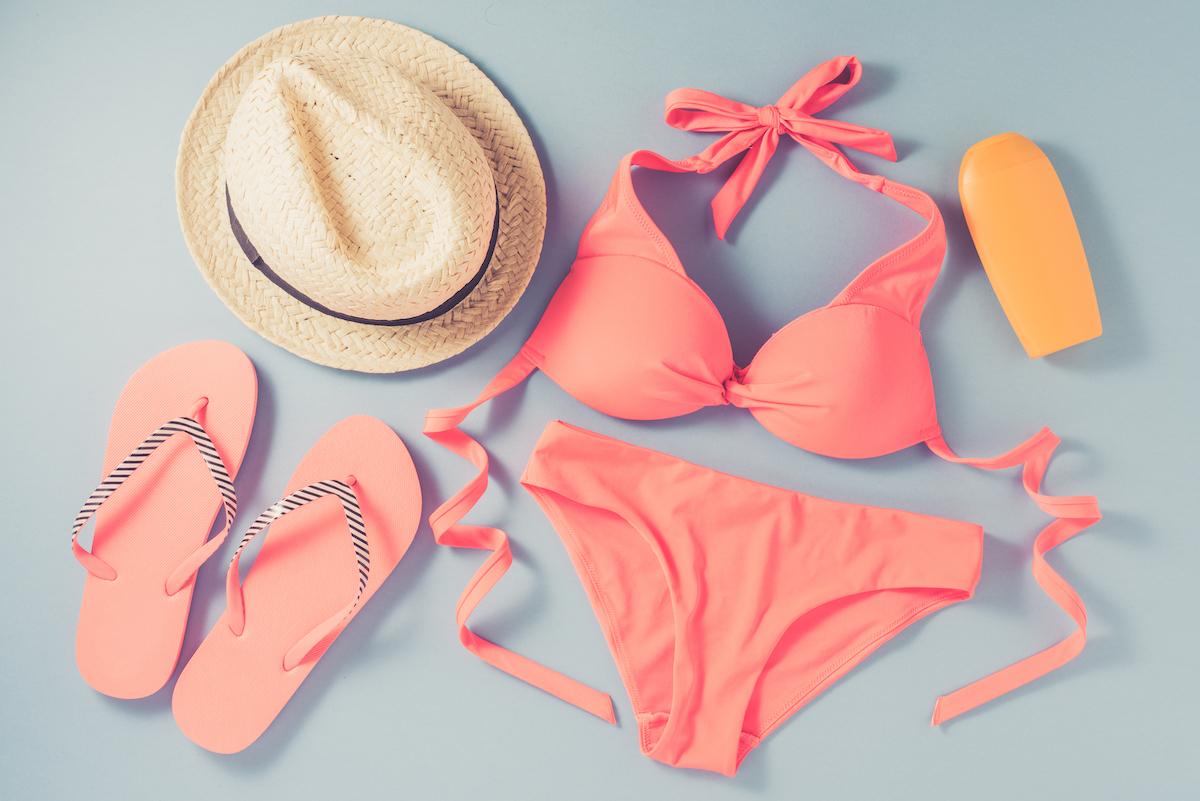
<point>1028,242</point>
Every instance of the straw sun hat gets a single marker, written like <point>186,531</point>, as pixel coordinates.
<point>361,194</point>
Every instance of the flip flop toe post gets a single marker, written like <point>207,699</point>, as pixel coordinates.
<point>177,439</point>
<point>347,516</point>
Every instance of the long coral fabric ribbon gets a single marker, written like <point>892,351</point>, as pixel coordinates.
<point>441,425</point>
<point>1074,513</point>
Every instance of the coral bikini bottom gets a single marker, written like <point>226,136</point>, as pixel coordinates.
<point>729,604</point>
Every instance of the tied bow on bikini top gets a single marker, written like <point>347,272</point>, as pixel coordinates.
<point>632,336</point>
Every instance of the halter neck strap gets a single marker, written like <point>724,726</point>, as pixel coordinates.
<point>757,130</point>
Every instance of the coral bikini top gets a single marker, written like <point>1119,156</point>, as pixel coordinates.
<point>631,335</point>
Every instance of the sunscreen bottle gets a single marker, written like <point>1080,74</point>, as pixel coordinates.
<point>1028,242</point>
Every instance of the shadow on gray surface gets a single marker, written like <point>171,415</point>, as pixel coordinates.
<point>961,261</point>
<point>1123,342</point>
<point>877,81</point>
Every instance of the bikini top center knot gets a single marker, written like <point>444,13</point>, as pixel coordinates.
<point>768,117</point>
<point>733,392</point>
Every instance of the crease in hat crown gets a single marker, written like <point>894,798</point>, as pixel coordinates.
<point>397,262</point>
<point>357,185</point>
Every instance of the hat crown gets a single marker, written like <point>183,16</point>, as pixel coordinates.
<point>357,186</point>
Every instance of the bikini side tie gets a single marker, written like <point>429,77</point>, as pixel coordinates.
<point>441,425</point>
<point>1073,514</point>
<point>758,129</point>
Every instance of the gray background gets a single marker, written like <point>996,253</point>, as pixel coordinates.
<point>97,280</point>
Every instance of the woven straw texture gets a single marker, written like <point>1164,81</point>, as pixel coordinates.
<point>414,189</point>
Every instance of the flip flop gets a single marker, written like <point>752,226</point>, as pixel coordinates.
<point>349,513</point>
<point>176,441</point>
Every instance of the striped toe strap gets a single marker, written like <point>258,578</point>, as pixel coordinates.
<point>308,645</point>
<point>216,468</point>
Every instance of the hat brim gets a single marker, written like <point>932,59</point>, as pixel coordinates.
<point>301,329</point>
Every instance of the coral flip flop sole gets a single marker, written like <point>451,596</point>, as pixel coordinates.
<point>130,628</point>
<point>304,573</point>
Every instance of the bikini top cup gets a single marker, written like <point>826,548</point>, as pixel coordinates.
<point>631,335</point>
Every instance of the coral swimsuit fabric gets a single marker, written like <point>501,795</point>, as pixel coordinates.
<point>632,336</point>
<point>729,604</point>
